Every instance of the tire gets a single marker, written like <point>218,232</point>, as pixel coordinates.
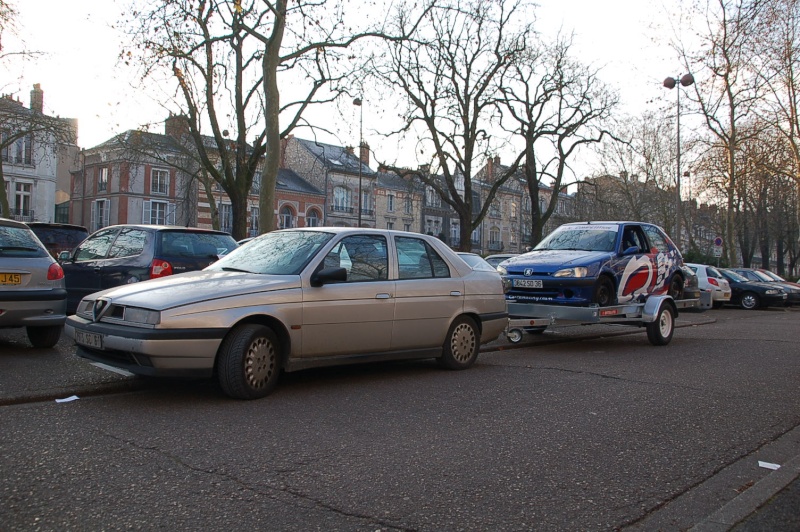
<point>603,292</point>
<point>460,349</point>
<point>676,287</point>
<point>750,301</point>
<point>44,336</point>
<point>248,362</point>
<point>660,331</point>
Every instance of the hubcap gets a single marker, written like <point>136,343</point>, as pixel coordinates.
<point>259,363</point>
<point>665,323</point>
<point>462,343</point>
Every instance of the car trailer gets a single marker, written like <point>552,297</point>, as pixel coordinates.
<point>657,314</point>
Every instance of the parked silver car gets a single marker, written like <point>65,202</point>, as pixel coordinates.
<point>711,280</point>
<point>32,293</point>
<point>295,299</point>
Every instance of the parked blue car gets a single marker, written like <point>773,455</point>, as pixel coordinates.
<point>596,263</point>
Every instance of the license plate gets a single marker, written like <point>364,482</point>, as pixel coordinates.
<point>527,283</point>
<point>89,339</point>
<point>10,278</point>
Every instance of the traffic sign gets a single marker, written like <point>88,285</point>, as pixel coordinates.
<point>718,241</point>
<point>717,251</point>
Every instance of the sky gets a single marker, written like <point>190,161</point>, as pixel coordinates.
<point>81,79</point>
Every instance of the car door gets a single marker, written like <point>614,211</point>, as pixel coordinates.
<point>428,296</point>
<point>127,260</point>
<point>82,272</point>
<point>355,316</point>
<point>635,266</point>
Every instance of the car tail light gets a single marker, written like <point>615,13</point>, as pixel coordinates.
<point>160,268</point>
<point>713,281</point>
<point>55,272</point>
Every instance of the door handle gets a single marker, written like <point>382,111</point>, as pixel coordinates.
<point>456,293</point>
<point>383,296</point>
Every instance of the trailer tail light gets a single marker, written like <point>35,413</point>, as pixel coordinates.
<point>160,268</point>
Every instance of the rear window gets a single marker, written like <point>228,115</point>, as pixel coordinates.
<point>193,244</point>
<point>19,242</point>
<point>60,238</point>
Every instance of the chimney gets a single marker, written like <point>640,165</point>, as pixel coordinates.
<point>490,169</point>
<point>364,153</point>
<point>37,98</point>
<point>176,126</point>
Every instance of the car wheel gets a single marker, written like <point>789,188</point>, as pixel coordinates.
<point>460,348</point>
<point>603,292</point>
<point>750,301</point>
<point>44,336</point>
<point>248,362</point>
<point>676,287</point>
<point>660,331</point>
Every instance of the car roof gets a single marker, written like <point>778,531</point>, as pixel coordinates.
<point>150,227</point>
<point>12,223</point>
<point>56,225</point>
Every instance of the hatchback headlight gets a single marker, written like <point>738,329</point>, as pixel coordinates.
<point>772,291</point>
<point>502,270</point>
<point>580,271</point>
<point>142,315</point>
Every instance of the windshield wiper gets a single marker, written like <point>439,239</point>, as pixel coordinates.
<point>229,269</point>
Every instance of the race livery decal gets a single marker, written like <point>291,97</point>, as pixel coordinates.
<point>642,277</point>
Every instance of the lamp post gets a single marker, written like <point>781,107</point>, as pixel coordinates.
<point>671,83</point>
<point>358,102</point>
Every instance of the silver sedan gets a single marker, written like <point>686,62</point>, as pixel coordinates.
<point>296,299</point>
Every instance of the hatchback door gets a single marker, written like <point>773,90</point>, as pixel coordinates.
<point>355,316</point>
<point>635,267</point>
<point>82,271</point>
<point>128,259</point>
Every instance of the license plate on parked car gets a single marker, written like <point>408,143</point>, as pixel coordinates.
<point>527,283</point>
<point>10,278</point>
<point>89,339</point>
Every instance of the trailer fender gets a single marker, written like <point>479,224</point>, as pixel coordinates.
<point>652,307</point>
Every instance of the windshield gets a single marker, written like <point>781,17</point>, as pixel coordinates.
<point>581,237</point>
<point>276,253</point>
<point>768,276</point>
<point>19,242</point>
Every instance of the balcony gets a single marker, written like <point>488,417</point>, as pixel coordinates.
<point>368,212</point>
<point>342,209</point>
<point>495,246</point>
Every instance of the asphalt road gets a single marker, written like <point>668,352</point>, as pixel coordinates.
<point>585,428</point>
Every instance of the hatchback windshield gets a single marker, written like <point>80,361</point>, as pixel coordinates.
<point>276,253</point>
<point>582,237</point>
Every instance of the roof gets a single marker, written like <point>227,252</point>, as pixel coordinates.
<point>335,157</point>
<point>139,139</point>
<point>290,181</point>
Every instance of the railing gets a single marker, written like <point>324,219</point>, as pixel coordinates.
<point>495,246</point>
<point>368,212</point>
<point>340,208</point>
<point>21,215</point>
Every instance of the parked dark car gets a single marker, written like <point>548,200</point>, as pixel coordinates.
<point>752,294</point>
<point>792,291</point>
<point>124,254</point>
<point>32,291</point>
<point>596,263</point>
<point>58,238</point>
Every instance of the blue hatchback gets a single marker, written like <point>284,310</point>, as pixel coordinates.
<point>596,263</point>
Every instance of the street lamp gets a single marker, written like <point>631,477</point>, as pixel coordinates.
<point>671,83</point>
<point>358,102</point>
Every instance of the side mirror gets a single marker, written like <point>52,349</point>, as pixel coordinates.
<point>633,250</point>
<point>64,256</point>
<point>328,275</point>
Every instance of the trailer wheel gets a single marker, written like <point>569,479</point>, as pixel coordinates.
<point>514,336</point>
<point>660,331</point>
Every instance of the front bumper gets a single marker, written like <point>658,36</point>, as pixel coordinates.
<point>186,353</point>
<point>566,291</point>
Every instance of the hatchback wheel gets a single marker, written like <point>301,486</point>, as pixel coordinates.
<point>460,348</point>
<point>676,287</point>
<point>750,301</point>
<point>248,362</point>
<point>603,292</point>
<point>44,336</point>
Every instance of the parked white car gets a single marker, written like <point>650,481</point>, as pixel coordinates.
<point>711,280</point>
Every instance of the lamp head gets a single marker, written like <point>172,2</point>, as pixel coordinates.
<point>687,80</point>
<point>357,101</point>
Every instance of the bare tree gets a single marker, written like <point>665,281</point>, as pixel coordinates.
<point>447,73</point>
<point>727,93</point>
<point>556,105</point>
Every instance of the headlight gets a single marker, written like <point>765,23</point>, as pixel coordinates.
<point>772,292</point>
<point>502,270</point>
<point>141,315</point>
<point>580,271</point>
<point>84,307</point>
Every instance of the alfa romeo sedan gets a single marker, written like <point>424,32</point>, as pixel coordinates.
<point>596,263</point>
<point>296,299</point>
